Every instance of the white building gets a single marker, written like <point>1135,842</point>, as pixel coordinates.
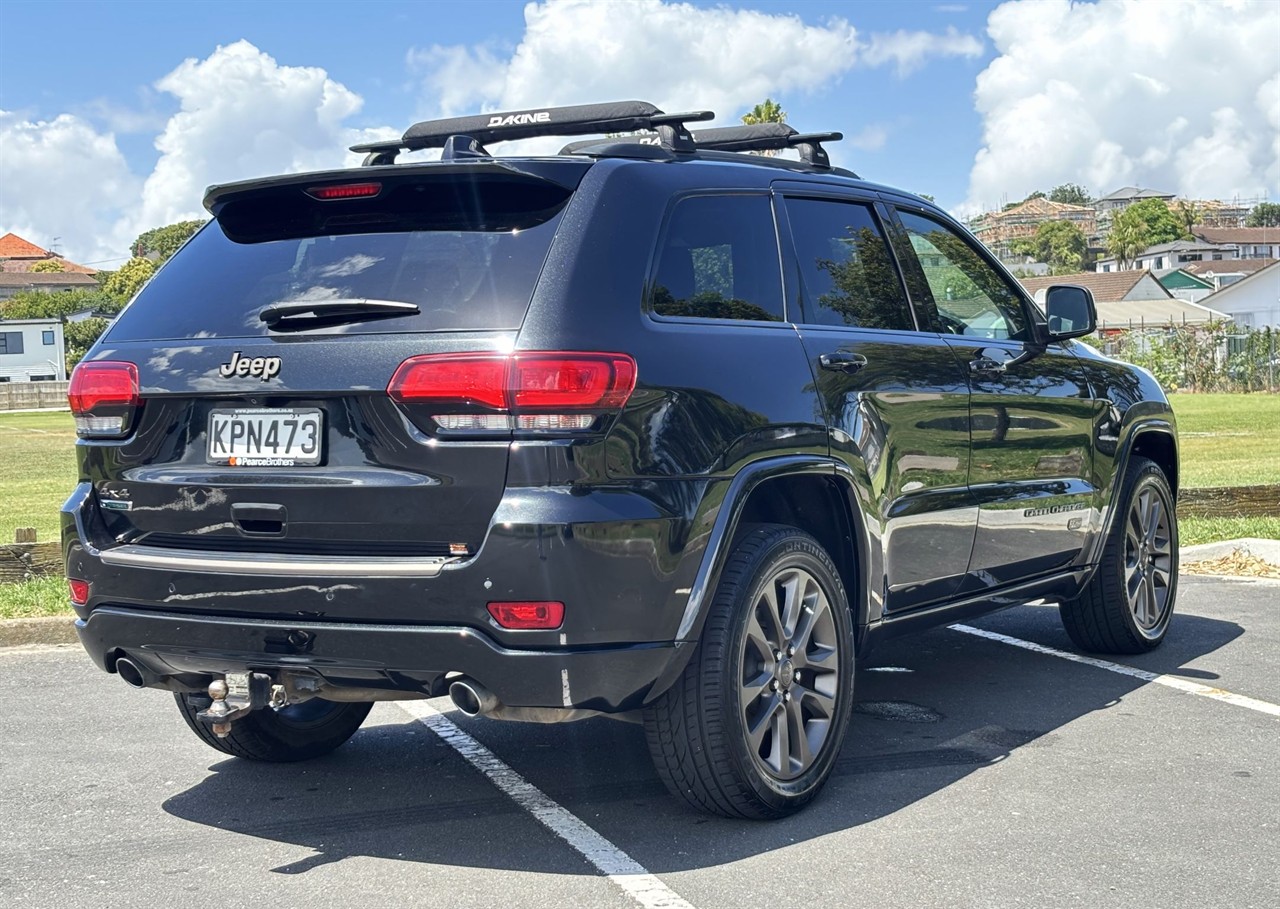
<point>31,350</point>
<point>1252,301</point>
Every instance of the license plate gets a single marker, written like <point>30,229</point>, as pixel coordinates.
<point>265,438</point>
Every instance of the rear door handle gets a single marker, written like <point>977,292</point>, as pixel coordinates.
<point>842,361</point>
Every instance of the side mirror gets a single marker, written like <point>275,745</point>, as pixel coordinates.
<point>1069,311</point>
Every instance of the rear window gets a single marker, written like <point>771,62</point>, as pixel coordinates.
<point>468,262</point>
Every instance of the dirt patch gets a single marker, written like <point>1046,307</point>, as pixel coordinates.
<point>1237,563</point>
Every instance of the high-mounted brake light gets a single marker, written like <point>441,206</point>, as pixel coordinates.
<point>543,391</point>
<point>527,616</point>
<point>345,191</point>
<point>104,394</point>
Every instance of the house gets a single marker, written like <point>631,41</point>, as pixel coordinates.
<point>1245,242</point>
<point>19,255</point>
<point>1171,255</point>
<point>1185,285</point>
<point>1228,271</point>
<point>1252,301</point>
<point>31,350</point>
<point>1125,196</point>
<point>997,229</point>
<point>1129,300</point>
<point>12,282</point>
<point>1124,286</point>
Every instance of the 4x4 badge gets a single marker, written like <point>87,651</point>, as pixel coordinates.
<point>265,367</point>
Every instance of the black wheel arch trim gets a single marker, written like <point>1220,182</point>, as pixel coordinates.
<point>728,518</point>
<point>1124,454</point>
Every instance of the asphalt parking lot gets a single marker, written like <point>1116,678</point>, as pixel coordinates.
<point>977,773</point>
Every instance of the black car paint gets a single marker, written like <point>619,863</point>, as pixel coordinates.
<point>630,530</point>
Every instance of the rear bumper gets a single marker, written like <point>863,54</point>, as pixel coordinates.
<point>182,651</point>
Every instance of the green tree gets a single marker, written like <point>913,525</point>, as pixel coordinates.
<point>79,337</point>
<point>160,243</point>
<point>1162,224</point>
<point>927,197</point>
<point>1070,193</point>
<point>37,304</point>
<point>128,279</point>
<point>767,111</point>
<point>47,266</point>
<point>1129,236</point>
<point>1059,243</point>
<point>1264,214</point>
<point>1188,216</point>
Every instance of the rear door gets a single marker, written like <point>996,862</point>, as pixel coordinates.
<point>1031,415</point>
<point>264,350</point>
<point>895,399</point>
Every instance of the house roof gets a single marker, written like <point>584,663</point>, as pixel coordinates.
<point>1173,246</point>
<point>1228,266</point>
<point>1134,192</point>
<point>1180,277</point>
<point>46,279</point>
<point>1105,286</point>
<point>1154,313</point>
<point>14,247</point>
<point>1237,234</point>
<point>18,255</point>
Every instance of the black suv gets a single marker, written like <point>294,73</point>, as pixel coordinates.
<point>652,427</point>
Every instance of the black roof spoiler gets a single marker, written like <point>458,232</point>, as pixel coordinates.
<point>467,136</point>
<point>753,137</point>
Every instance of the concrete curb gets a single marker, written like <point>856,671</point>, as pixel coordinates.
<point>54,629</point>
<point>1267,550</point>
<point>62,630</point>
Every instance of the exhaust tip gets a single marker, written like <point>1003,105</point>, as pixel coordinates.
<point>128,670</point>
<point>472,698</point>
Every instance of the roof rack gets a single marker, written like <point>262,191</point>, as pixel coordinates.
<point>467,136</point>
<point>754,137</point>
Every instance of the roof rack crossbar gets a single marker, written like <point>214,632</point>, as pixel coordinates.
<point>753,137</point>
<point>578,120</point>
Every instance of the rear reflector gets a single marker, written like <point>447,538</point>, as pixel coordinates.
<point>525,616</point>
<point>345,191</point>
<point>79,591</point>
<point>103,396</point>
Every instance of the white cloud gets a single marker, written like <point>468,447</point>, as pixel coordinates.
<point>62,178</point>
<point>1183,98</point>
<point>678,56</point>
<point>869,138</point>
<point>240,115</point>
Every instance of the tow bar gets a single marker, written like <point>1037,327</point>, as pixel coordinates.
<point>237,695</point>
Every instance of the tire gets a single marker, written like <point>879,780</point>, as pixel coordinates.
<point>717,735</point>
<point>299,732</point>
<point>1128,603</point>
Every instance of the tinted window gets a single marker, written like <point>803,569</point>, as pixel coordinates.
<point>719,260</point>
<point>848,272</point>
<point>481,278</point>
<point>10,342</point>
<point>972,298</point>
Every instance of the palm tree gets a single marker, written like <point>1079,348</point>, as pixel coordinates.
<point>768,111</point>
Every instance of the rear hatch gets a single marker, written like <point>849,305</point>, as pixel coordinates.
<point>262,353</point>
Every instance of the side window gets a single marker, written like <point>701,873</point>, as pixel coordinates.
<point>847,270</point>
<point>972,298</point>
<point>719,260</point>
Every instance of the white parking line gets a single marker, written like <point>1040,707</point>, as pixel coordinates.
<point>1169,681</point>
<point>624,871</point>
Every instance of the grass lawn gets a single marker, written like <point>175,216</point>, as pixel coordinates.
<point>37,471</point>
<point>1227,440</point>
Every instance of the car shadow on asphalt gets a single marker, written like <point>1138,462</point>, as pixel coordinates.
<point>931,710</point>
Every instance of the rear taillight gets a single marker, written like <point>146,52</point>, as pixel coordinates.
<point>104,396</point>
<point>542,392</point>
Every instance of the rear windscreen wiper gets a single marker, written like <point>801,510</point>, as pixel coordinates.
<point>303,313</point>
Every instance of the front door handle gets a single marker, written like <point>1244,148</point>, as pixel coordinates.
<point>842,361</point>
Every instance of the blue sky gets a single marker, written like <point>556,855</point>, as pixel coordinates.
<point>971,102</point>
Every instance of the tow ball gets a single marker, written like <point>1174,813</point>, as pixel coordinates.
<point>237,695</point>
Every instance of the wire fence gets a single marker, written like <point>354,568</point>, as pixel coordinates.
<point>1217,356</point>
